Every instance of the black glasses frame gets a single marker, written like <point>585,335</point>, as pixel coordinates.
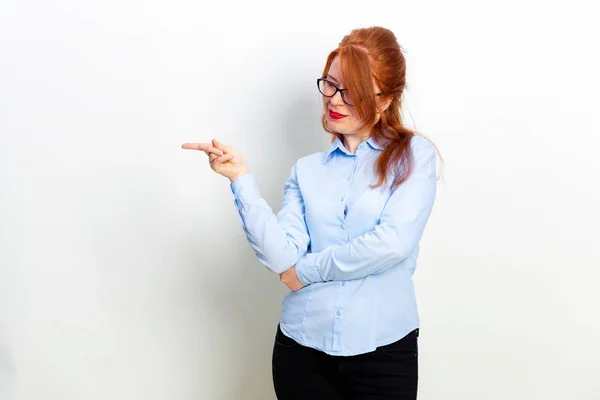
<point>337,89</point>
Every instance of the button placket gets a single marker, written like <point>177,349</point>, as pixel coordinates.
<point>337,319</point>
<point>345,197</point>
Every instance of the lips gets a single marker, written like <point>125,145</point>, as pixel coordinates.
<point>335,115</point>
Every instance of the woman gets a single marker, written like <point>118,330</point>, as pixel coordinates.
<point>346,238</point>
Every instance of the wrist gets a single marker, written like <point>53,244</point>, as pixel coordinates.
<point>307,270</point>
<point>239,175</point>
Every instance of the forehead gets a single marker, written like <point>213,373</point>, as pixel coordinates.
<point>335,71</point>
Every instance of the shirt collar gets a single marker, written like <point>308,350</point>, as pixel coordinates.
<point>337,144</point>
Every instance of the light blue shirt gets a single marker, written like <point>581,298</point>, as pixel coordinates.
<point>354,247</point>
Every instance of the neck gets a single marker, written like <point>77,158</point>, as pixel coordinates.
<point>351,142</point>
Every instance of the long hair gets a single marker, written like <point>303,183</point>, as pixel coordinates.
<point>365,55</point>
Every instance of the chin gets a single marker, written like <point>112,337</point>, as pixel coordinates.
<point>337,127</point>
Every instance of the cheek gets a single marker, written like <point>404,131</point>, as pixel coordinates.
<point>353,118</point>
<point>352,115</point>
<point>354,123</point>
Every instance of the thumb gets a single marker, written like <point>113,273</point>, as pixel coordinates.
<point>220,145</point>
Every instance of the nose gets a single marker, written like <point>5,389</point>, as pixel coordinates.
<point>337,99</point>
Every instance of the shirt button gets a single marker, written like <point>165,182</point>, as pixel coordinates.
<point>344,283</point>
<point>348,179</point>
<point>338,313</point>
<point>342,226</point>
<point>342,199</point>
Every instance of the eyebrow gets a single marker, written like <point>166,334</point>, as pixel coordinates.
<point>333,79</point>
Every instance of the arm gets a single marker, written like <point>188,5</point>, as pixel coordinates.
<point>401,226</point>
<point>278,240</point>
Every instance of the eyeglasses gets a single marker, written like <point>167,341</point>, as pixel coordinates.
<point>329,89</point>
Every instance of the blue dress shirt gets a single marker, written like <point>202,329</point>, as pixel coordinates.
<point>354,247</point>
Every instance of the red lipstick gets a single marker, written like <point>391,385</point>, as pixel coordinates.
<point>334,115</point>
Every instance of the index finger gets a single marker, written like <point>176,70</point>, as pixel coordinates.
<point>205,147</point>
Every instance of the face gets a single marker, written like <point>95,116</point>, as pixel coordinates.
<point>341,117</point>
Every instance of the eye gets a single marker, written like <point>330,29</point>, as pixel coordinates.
<point>327,88</point>
<point>348,97</point>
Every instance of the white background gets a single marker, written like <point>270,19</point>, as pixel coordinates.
<point>124,273</point>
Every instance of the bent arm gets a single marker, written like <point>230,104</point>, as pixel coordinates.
<point>401,226</point>
<point>278,240</point>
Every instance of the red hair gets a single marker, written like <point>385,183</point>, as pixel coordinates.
<point>369,54</point>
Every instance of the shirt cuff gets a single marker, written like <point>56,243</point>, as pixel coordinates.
<point>245,188</point>
<point>307,271</point>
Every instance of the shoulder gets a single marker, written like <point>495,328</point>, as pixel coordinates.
<point>424,155</point>
<point>421,146</point>
<point>317,157</point>
<point>309,166</point>
<point>311,161</point>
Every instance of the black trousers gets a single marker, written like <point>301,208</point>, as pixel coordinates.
<point>389,372</point>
